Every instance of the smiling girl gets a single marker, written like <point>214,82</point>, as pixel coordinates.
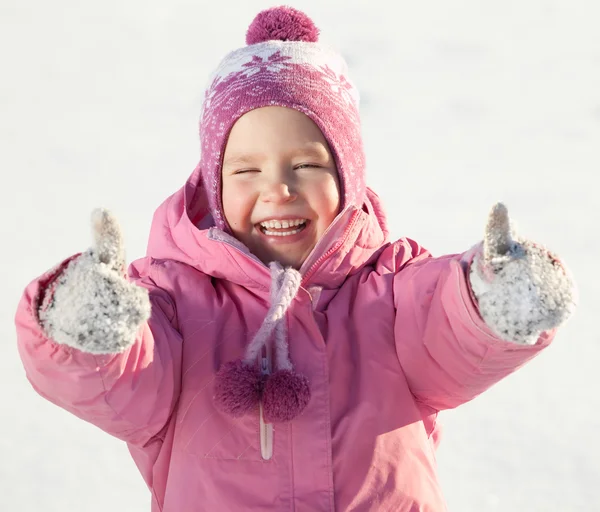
<point>275,350</point>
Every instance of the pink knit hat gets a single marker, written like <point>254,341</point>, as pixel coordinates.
<point>283,65</point>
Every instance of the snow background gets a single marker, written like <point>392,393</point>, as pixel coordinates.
<point>464,103</point>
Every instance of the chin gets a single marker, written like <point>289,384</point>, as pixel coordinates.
<point>285,260</point>
<point>288,262</point>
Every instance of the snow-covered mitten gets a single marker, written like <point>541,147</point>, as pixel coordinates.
<point>91,306</point>
<point>521,288</point>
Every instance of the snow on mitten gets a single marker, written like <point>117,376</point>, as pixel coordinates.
<point>93,307</point>
<point>521,288</point>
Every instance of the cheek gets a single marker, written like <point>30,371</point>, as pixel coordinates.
<point>237,202</point>
<point>328,200</point>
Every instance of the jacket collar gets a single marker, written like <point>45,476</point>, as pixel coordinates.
<point>183,230</point>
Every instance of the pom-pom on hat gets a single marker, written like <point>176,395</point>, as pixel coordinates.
<point>283,65</point>
<point>283,24</point>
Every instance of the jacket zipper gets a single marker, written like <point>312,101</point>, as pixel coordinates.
<point>266,429</point>
<point>333,249</point>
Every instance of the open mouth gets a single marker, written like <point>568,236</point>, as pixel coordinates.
<point>283,227</point>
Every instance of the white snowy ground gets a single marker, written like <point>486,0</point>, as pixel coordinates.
<point>464,103</point>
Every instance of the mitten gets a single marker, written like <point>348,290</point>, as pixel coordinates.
<point>91,306</point>
<point>521,288</point>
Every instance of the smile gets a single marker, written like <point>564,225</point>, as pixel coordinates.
<point>282,227</point>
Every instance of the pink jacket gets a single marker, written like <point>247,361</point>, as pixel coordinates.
<point>386,334</point>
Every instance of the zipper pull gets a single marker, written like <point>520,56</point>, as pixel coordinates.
<point>264,366</point>
<point>266,429</point>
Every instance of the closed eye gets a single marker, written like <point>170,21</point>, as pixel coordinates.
<point>307,166</point>
<point>245,171</point>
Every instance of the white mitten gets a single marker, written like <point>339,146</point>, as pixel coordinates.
<point>521,288</point>
<point>93,307</point>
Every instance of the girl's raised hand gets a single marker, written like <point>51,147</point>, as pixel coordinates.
<point>93,307</point>
<point>522,289</point>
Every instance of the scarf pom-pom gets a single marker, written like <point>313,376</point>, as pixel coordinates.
<point>238,388</point>
<point>285,396</point>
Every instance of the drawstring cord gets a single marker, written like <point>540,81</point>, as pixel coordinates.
<point>284,287</point>
<point>240,385</point>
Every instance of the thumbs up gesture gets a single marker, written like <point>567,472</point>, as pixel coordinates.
<point>521,288</point>
<point>93,307</point>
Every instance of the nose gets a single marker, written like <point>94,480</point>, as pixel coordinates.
<point>278,191</point>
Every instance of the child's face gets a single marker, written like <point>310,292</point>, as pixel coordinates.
<point>278,167</point>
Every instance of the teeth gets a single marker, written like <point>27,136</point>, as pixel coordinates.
<point>281,233</point>
<point>277,224</point>
<point>269,225</point>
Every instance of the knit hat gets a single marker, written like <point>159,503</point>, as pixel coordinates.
<point>283,65</point>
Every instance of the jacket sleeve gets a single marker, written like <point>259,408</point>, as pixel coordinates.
<point>131,394</point>
<point>447,352</point>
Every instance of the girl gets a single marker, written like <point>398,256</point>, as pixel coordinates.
<point>274,350</point>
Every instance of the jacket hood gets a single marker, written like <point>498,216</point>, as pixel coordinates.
<point>184,230</point>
